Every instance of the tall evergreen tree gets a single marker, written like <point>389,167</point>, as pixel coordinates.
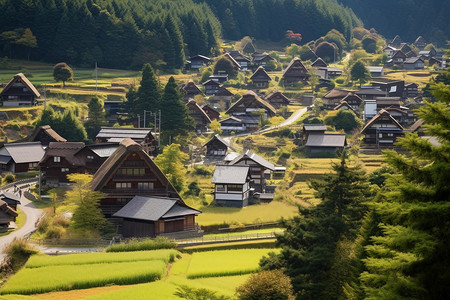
<point>174,113</point>
<point>148,94</point>
<point>96,118</point>
<point>310,241</point>
<point>409,258</point>
<point>176,41</point>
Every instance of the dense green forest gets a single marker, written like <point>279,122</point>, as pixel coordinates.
<point>407,18</point>
<point>115,33</point>
<point>269,19</point>
<point>128,33</point>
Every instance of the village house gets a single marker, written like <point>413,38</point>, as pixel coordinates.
<point>260,79</point>
<point>243,60</point>
<point>319,63</point>
<point>190,90</point>
<point>45,134</point>
<point>261,59</point>
<point>216,148</point>
<point>7,214</point>
<point>232,185</point>
<point>420,43</point>
<point>19,92</point>
<point>220,77</point>
<point>200,117</point>
<point>368,93</point>
<point>11,199</point>
<point>417,127</point>
<point>212,113</point>
<point>401,115</point>
<point>295,72</point>
<point>249,48</point>
<point>63,158</point>
<point>398,58</point>
<point>384,102</point>
<point>260,169</point>
<point>277,99</point>
<point>240,124</point>
<point>311,129</point>
<point>413,63</point>
<point>211,87</point>
<point>325,143</point>
<point>396,42</point>
<point>353,100</point>
<point>411,90</point>
<point>333,97</point>
<point>345,106</point>
<point>375,71</point>
<point>221,100</point>
<point>389,50</point>
<point>196,62</point>
<point>392,88</point>
<point>427,54</point>
<point>140,200</point>
<point>382,130</point>
<point>144,136</point>
<point>20,157</point>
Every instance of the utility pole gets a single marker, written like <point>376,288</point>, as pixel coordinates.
<point>145,113</point>
<point>139,121</point>
<point>96,76</point>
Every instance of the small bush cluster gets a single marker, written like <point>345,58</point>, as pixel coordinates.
<point>9,178</point>
<point>202,171</point>
<point>266,285</point>
<point>141,245</point>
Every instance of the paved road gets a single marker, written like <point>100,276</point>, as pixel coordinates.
<point>32,214</point>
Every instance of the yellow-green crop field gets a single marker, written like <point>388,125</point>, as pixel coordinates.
<point>225,262</point>
<point>39,261</point>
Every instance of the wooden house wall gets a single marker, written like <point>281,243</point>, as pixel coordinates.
<point>138,228</point>
<point>4,218</point>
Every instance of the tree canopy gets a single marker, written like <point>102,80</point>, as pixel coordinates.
<point>360,72</point>
<point>62,72</point>
<point>171,162</point>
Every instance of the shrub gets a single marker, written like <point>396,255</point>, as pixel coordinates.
<point>61,221</point>
<point>193,188</point>
<point>186,292</point>
<point>141,245</point>
<point>17,253</point>
<point>266,285</point>
<point>9,178</point>
<point>202,171</point>
<point>55,232</point>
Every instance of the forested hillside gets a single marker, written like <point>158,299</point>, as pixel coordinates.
<point>128,33</point>
<point>408,18</point>
<point>115,33</point>
<point>269,19</point>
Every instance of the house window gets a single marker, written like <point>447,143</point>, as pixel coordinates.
<point>220,188</point>
<point>123,185</point>
<point>32,165</point>
<point>145,185</point>
<point>122,201</point>
<point>390,134</point>
<point>380,135</point>
<point>90,157</point>
<point>64,170</point>
<point>235,188</point>
<point>57,159</point>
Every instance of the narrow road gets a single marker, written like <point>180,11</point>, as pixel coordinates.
<point>32,213</point>
<point>294,117</point>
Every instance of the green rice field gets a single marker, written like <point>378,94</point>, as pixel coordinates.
<point>225,262</point>
<point>39,261</point>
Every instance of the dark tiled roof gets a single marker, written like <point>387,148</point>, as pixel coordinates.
<point>200,110</point>
<point>219,138</point>
<point>120,132</point>
<point>319,63</point>
<point>326,140</point>
<point>378,116</point>
<point>66,150</point>
<point>296,60</point>
<point>10,196</point>
<point>154,208</point>
<point>314,127</point>
<point>25,152</point>
<point>276,92</point>
<point>50,132</point>
<point>336,93</point>
<point>251,94</point>
<point>231,174</point>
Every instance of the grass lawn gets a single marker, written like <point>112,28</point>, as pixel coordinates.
<point>252,214</point>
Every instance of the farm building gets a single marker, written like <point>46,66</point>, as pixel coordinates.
<point>311,129</point>
<point>295,72</point>
<point>211,112</point>
<point>232,185</point>
<point>144,136</point>
<point>20,157</point>
<point>130,172</point>
<point>7,214</point>
<point>277,99</point>
<point>19,92</point>
<point>249,103</point>
<point>382,130</point>
<point>190,90</point>
<point>45,134</point>
<point>194,63</point>
<point>325,143</point>
<point>11,199</point>
<point>200,117</point>
<point>216,147</point>
<point>260,78</point>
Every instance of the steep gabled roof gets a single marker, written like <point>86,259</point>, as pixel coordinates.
<point>405,48</point>
<point>319,63</point>
<point>344,103</point>
<point>260,73</point>
<point>399,54</point>
<point>352,97</point>
<point>420,40</point>
<point>296,61</point>
<point>223,91</point>
<point>154,208</point>
<point>238,56</point>
<point>235,63</point>
<point>276,92</point>
<point>7,210</point>
<point>249,48</point>
<point>261,56</point>
<point>249,154</point>
<point>25,81</point>
<point>191,87</point>
<point>49,131</point>
<point>336,93</point>
<point>109,167</point>
<point>25,152</point>
<point>231,174</point>
<point>252,95</point>
<point>200,57</point>
<point>217,138</point>
<point>381,113</point>
<point>210,82</point>
<point>397,40</point>
<point>193,103</point>
<point>416,125</point>
<point>66,150</point>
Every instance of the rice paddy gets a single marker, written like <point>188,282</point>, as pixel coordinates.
<point>225,262</point>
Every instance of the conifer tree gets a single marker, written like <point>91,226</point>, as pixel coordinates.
<point>177,42</point>
<point>310,241</point>
<point>408,258</point>
<point>96,117</point>
<point>174,113</point>
<point>148,94</point>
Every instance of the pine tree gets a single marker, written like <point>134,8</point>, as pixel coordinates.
<point>174,113</point>
<point>176,40</point>
<point>96,118</point>
<point>310,241</point>
<point>409,258</point>
<point>149,95</point>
